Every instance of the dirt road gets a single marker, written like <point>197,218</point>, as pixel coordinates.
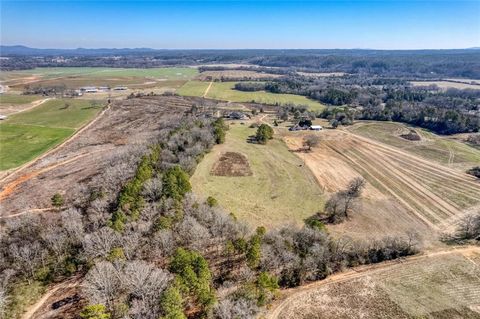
<point>29,314</point>
<point>9,110</point>
<point>207,89</point>
<point>291,296</point>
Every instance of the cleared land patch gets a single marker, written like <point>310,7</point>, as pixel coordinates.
<point>16,99</point>
<point>443,285</point>
<point>404,192</point>
<point>28,134</point>
<point>231,164</point>
<point>236,74</point>
<point>431,146</point>
<point>447,84</point>
<point>279,191</point>
<point>225,91</point>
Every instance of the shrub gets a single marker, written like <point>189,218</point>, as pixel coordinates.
<point>57,200</point>
<point>475,171</point>
<point>211,201</point>
<point>95,312</point>
<point>264,133</point>
<point>176,183</point>
<point>193,276</point>
<point>172,304</point>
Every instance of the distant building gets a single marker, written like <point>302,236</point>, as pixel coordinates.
<point>315,127</point>
<point>89,89</point>
<point>103,88</point>
<point>3,117</point>
<point>120,88</point>
<point>237,116</point>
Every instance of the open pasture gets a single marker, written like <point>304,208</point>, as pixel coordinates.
<point>236,75</point>
<point>17,99</point>
<point>225,91</point>
<point>76,77</point>
<point>277,189</point>
<point>28,134</point>
<point>437,285</point>
<point>173,73</point>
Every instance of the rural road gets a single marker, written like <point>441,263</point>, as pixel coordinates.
<point>36,306</point>
<point>295,294</point>
<point>207,89</point>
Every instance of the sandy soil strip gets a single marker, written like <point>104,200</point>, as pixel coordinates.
<point>10,187</point>
<point>207,89</point>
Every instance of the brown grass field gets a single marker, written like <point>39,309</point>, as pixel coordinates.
<point>405,191</point>
<point>444,284</point>
<point>447,84</point>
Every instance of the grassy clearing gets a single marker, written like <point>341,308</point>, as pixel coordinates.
<point>432,147</point>
<point>165,73</point>
<point>193,88</point>
<point>225,91</point>
<point>22,296</point>
<point>26,135</point>
<point>58,113</point>
<point>18,99</point>
<point>280,190</point>
<point>21,143</point>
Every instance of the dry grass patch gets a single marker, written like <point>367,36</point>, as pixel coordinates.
<point>232,164</point>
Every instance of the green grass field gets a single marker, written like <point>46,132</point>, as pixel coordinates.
<point>21,143</point>
<point>225,91</point>
<point>280,191</point>
<point>18,99</point>
<point>58,113</point>
<point>26,135</point>
<point>165,73</point>
<point>433,147</point>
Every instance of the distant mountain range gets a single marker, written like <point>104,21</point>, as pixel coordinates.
<point>9,50</point>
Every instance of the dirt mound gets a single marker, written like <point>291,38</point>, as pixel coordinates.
<point>231,164</point>
<point>412,135</point>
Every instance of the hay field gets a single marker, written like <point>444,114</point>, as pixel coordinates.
<point>26,135</point>
<point>440,149</point>
<point>225,91</point>
<point>279,190</point>
<point>404,192</point>
<point>436,285</point>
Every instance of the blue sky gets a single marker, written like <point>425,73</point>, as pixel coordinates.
<point>387,24</point>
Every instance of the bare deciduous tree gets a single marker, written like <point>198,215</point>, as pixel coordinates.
<point>310,141</point>
<point>102,284</point>
<point>100,243</point>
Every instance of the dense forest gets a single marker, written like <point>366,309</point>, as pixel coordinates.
<point>411,64</point>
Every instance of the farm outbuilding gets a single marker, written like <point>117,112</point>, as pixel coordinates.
<point>315,127</point>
